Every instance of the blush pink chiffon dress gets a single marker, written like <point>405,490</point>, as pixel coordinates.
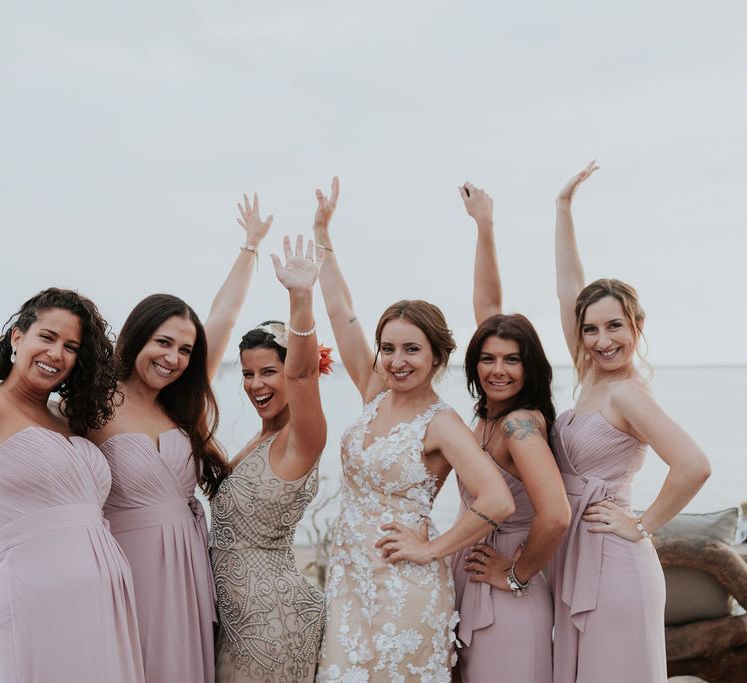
<point>501,633</point>
<point>609,592</point>
<point>67,609</point>
<point>161,527</point>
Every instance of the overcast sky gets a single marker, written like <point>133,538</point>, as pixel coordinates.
<point>129,130</point>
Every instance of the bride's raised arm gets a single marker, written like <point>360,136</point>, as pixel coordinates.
<point>355,351</point>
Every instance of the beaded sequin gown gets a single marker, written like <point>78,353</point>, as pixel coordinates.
<point>271,617</point>
<point>386,622</point>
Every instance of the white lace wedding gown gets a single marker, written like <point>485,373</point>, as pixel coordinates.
<point>386,622</point>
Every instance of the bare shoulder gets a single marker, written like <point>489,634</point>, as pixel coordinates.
<point>630,393</point>
<point>523,423</point>
<point>446,422</point>
<point>111,428</point>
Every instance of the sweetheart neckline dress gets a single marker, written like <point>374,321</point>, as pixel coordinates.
<point>67,605</point>
<point>161,527</point>
<point>609,592</point>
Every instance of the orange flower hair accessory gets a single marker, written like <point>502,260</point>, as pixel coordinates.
<point>325,360</point>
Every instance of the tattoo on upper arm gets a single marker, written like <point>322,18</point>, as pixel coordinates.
<point>519,428</point>
<point>352,319</point>
<point>485,518</point>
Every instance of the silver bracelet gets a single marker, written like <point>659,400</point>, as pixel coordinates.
<point>301,334</point>
<point>517,587</point>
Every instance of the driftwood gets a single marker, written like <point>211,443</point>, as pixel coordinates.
<point>706,638</point>
<point>717,558</point>
<point>716,649</point>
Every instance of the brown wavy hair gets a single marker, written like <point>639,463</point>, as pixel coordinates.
<point>89,393</point>
<point>189,400</point>
<point>632,310</point>
<point>536,394</point>
<point>429,320</point>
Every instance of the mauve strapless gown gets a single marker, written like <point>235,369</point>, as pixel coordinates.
<point>67,610</point>
<point>501,633</point>
<point>161,527</point>
<point>609,592</point>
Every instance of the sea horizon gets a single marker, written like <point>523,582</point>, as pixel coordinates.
<point>706,400</point>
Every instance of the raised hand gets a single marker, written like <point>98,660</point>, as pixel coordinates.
<point>299,272</point>
<point>566,194</point>
<point>326,206</point>
<point>479,204</point>
<point>250,220</point>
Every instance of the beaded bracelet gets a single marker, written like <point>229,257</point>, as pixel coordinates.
<point>640,528</point>
<point>301,334</point>
<point>517,587</point>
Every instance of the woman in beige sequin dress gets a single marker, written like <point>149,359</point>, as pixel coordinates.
<point>390,594</point>
<point>271,618</point>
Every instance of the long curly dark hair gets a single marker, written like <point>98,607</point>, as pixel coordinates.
<point>536,394</point>
<point>189,400</point>
<point>89,393</point>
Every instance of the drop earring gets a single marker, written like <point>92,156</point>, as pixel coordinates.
<point>12,354</point>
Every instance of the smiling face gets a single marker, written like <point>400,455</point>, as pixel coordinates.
<point>406,355</point>
<point>500,370</point>
<point>47,352</point>
<point>264,381</point>
<point>165,356</point>
<point>608,336</point>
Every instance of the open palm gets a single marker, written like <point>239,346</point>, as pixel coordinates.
<point>299,272</point>
<point>250,220</point>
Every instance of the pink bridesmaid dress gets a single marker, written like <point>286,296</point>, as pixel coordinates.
<point>67,610</point>
<point>161,527</point>
<point>501,633</point>
<point>609,592</point>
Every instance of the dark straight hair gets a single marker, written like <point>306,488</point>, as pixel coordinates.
<point>536,394</point>
<point>189,400</point>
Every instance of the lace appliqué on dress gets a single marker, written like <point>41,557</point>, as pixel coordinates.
<point>386,622</point>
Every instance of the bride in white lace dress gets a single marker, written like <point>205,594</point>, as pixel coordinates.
<point>390,594</point>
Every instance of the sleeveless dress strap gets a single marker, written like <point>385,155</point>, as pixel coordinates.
<point>371,408</point>
<point>421,422</point>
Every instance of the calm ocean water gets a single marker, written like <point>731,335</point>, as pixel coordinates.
<point>709,402</point>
